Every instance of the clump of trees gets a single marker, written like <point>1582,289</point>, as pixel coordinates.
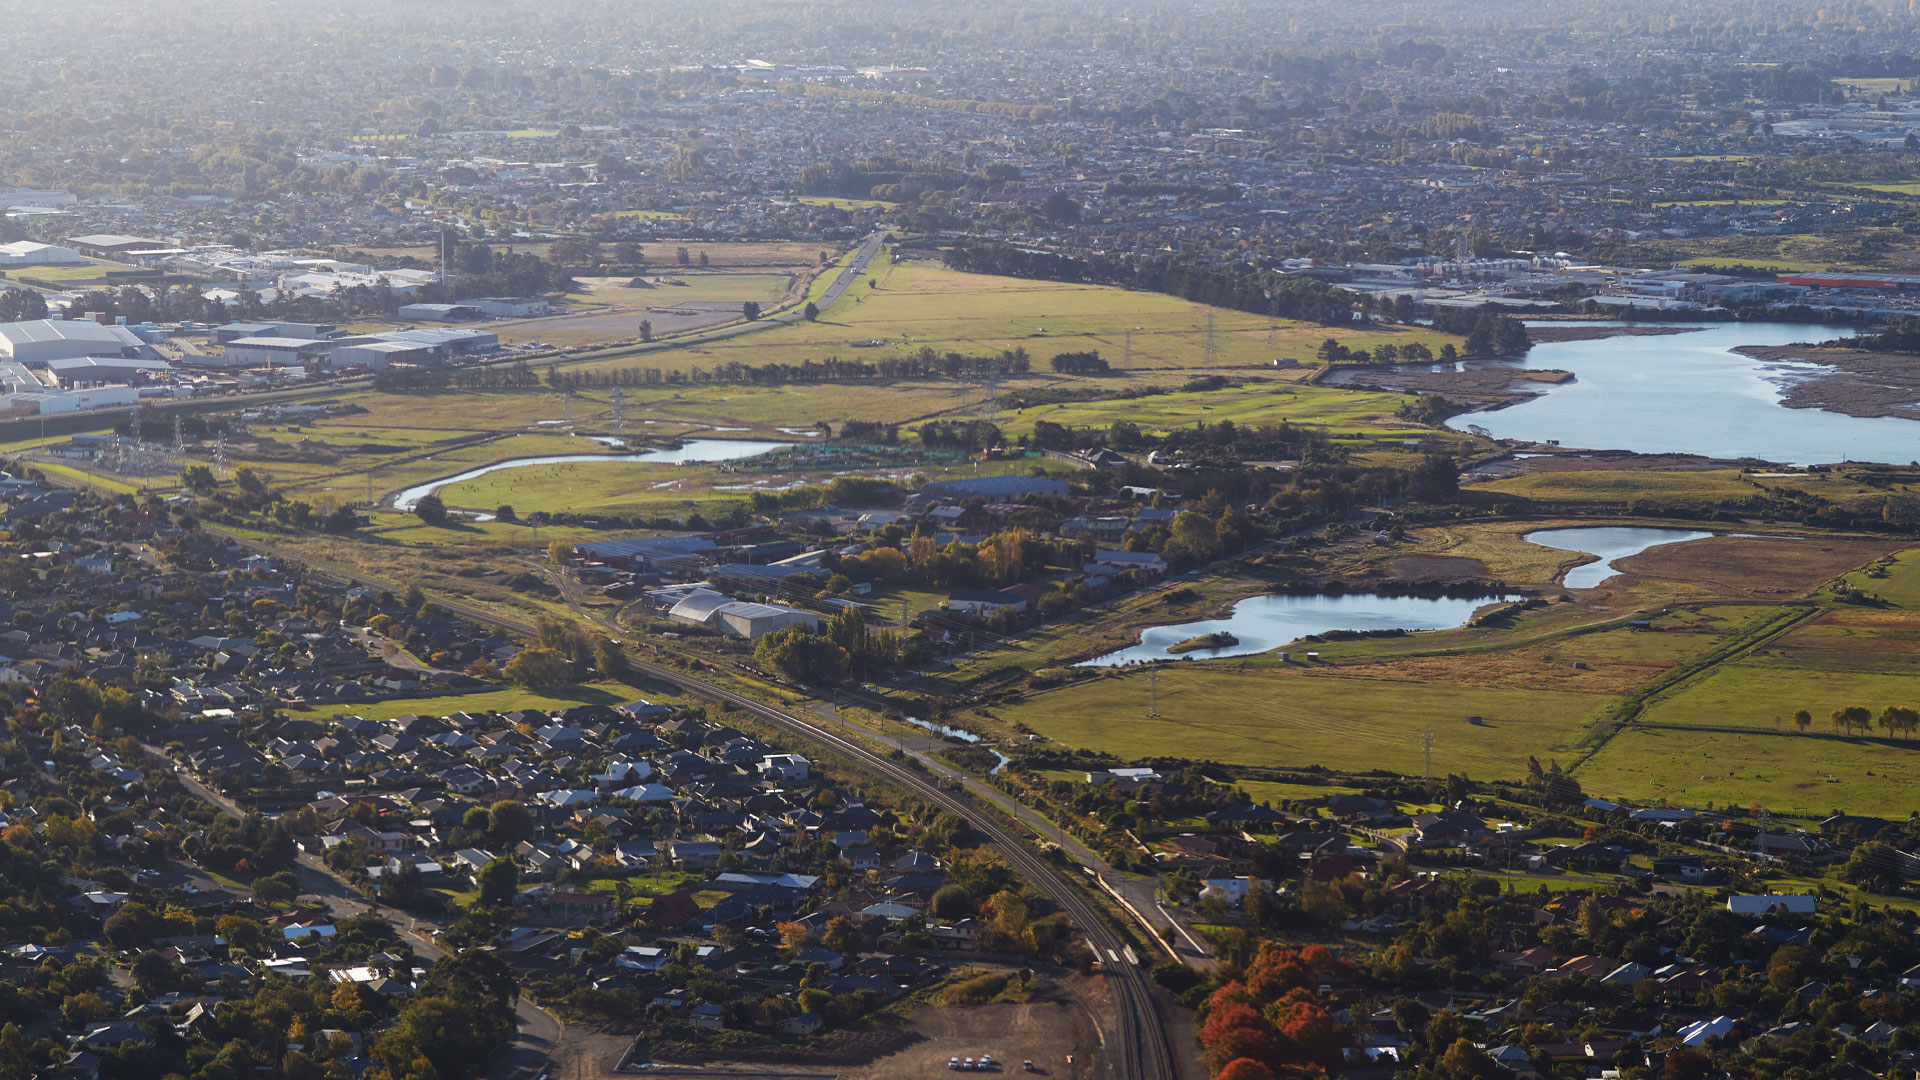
<point>1271,1022</point>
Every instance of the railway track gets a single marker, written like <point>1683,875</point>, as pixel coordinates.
<point>1144,1050</point>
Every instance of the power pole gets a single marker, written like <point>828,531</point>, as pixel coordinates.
<point>1153,694</point>
<point>220,455</point>
<point>1126,352</point>
<point>1212,347</point>
<point>619,420</point>
<point>1426,745</point>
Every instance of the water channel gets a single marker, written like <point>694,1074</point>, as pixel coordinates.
<point>1691,393</point>
<point>1261,623</point>
<point>694,450</point>
<point>1609,544</point>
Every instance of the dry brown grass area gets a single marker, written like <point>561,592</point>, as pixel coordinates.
<point>1757,568</point>
<point>1523,669</point>
<point>1435,568</point>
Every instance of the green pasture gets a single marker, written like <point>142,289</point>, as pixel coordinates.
<point>916,304</point>
<point>1623,486</point>
<point>1900,588</point>
<point>1248,404</point>
<point>1788,774</point>
<point>1296,719</point>
<point>1752,693</point>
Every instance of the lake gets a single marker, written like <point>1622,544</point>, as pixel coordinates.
<point>1609,544</point>
<point>1691,393</point>
<point>694,450</point>
<point>1262,623</point>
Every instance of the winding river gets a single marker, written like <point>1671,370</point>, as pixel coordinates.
<point>695,450</point>
<point>1609,543</point>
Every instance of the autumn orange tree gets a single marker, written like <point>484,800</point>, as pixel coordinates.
<point>1271,1022</point>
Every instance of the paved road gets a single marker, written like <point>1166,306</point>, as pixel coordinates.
<point>1144,1049</point>
<point>536,1031</point>
<point>1141,895</point>
<point>848,275</point>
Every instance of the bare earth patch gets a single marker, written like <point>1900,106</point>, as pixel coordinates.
<point>1044,1032</point>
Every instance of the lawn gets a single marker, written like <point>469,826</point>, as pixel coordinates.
<point>502,700</point>
<point>1295,719</point>
<point>91,270</point>
<point>657,883</point>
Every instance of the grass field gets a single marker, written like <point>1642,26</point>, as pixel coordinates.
<point>919,304</point>
<point>1621,486</point>
<point>1787,774</point>
<point>849,204</point>
<point>1906,188</point>
<point>598,693</point>
<point>1875,84</point>
<point>1295,718</point>
<point>1268,791</point>
<point>1251,403</point>
<point>91,270</point>
<point>1901,585</point>
<point>1785,266</point>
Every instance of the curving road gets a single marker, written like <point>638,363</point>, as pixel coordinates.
<point>1144,1050</point>
<point>536,1031</point>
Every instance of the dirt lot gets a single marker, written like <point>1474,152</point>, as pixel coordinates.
<point>1044,1032</point>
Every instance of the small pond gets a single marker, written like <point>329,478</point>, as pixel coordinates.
<point>1261,623</point>
<point>1609,543</point>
